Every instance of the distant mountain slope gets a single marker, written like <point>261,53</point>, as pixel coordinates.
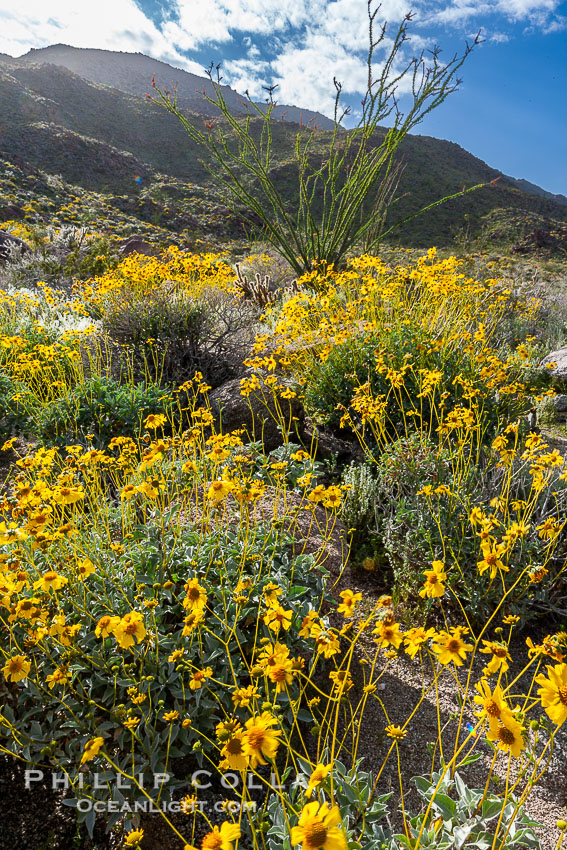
<point>36,97</point>
<point>108,140</point>
<point>132,73</point>
<point>532,189</point>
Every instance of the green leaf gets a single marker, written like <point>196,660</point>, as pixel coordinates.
<point>491,808</point>
<point>446,806</point>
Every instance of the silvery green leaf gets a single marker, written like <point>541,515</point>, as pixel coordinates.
<point>491,808</point>
<point>446,806</point>
<point>460,834</point>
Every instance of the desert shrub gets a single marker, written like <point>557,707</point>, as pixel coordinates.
<point>436,408</point>
<point>191,581</point>
<point>232,324</point>
<point>60,255</point>
<point>99,409</point>
<point>43,364</point>
<point>409,352</point>
<point>42,316</point>
<point>13,419</point>
<point>169,335</point>
<point>174,315</point>
<point>547,413</point>
<point>181,627</point>
<point>341,184</point>
<point>452,815</point>
<point>360,502</point>
<point>139,276</point>
<point>359,515</point>
<point>432,507</point>
<point>163,333</point>
<point>403,524</point>
<point>384,351</point>
<point>163,605</point>
<point>456,815</point>
<point>198,666</point>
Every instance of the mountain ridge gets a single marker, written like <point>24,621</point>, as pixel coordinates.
<point>103,138</point>
<point>100,66</point>
<point>115,69</point>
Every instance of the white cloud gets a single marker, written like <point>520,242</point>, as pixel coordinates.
<point>557,24</point>
<point>334,43</point>
<point>457,13</point>
<point>347,20</point>
<point>539,12</point>
<point>304,72</point>
<point>248,75</point>
<point>191,24</point>
<point>521,9</point>
<point>106,24</point>
<point>298,44</point>
<point>217,20</point>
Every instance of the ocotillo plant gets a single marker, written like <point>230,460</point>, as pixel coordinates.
<point>344,194</point>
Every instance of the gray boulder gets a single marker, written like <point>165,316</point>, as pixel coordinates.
<point>327,445</point>
<point>137,245</point>
<point>558,357</point>
<point>257,417</point>
<point>11,212</point>
<point>559,403</point>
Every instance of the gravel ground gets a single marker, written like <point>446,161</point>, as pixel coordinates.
<point>402,690</point>
<point>401,687</point>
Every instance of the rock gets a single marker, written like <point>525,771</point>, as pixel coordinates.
<point>558,357</point>
<point>328,445</point>
<point>7,241</point>
<point>559,403</point>
<point>534,241</point>
<point>11,212</point>
<point>137,245</point>
<point>233,411</point>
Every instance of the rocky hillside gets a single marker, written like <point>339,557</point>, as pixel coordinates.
<point>96,130</point>
<point>132,72</point>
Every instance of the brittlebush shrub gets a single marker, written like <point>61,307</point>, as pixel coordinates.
<point>179,627</point>
<point>403,354</point>
<point>405,347</point>
<point>197,598</point>
<point>431,508</point>
<point>162,607</point>
<point>184,563</point>
<point>405,360</point>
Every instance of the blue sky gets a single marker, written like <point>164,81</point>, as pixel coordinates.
<point>511,109</point>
